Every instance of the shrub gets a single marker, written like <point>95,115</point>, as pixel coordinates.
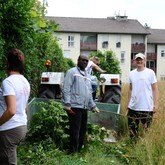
<point>51,121</point>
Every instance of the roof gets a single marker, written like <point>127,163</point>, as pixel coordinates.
<point>157,36</point>
<point>98,25</point>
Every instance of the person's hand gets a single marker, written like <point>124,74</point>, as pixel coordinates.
<point>104,71</point>
<point>96,110</point>
<point>69,110</point>
<point>155,108</point>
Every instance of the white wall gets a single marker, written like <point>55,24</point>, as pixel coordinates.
<point>125,47</point>
<point>138,39</point>
<point>150,48</point>
<point>69,52</point>
<point>160,62</point>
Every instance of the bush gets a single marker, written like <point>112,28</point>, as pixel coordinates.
<point>50,122</point>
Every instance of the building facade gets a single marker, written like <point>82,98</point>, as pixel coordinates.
<point>125,37</point>
<point>156,52</point>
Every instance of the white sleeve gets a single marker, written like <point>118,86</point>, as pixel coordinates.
<point>7,88</point>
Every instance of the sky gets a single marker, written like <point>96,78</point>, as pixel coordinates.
<point>150,12</point>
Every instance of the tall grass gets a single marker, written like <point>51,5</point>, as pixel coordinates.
<point>150,149</point>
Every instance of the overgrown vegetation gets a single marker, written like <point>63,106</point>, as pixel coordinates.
<point>50,122</point>
<point>43,148</point>
<point>24,26</point>
<point>49,127</point>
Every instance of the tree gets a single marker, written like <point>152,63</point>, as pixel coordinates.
<point>24,26</point>
<point>108,61</point>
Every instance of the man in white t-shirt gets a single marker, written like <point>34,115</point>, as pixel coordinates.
<point>143,96</point>
<point>93,64</point>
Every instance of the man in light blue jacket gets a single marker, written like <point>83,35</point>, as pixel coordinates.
<point>77,99</point>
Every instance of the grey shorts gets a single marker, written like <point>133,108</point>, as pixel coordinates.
<point>9,139</point>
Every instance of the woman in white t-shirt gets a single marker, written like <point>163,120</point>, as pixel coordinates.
<point>143,96</point>
<point>13,99</point>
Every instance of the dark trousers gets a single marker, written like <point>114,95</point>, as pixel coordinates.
<point>78,127</point>
<point>135,117</point>
<point>9,140</point>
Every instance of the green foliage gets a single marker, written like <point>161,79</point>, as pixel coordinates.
<point>42,152</point>
<point>96,134</point>
<point>16,22</point>
<point>70,62</point>
<point>24,26</point>
<point>108,61</point>
<point>45,47</point>
<point>48,136</point>
<point>2,58</point>
<point>148,149</point>
<point>50,122</point>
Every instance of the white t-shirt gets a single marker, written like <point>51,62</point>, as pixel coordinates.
<point>142,95</point>
<point>18,86</point>
<point>89,67</point>
<point>2,103</point>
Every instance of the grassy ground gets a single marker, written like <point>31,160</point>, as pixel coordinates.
<point>148,150</point>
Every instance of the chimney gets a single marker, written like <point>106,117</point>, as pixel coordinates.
<point>121,18</point>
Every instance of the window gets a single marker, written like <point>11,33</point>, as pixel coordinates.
<point>150,64</point>
<point>70,41</point>
<point>118,44</point>
<point>88,42</point>
<point>118,41</point>
<point>162,53</point>
<point>104,39</point>
<point>122,57</point>
<point>105,44</point>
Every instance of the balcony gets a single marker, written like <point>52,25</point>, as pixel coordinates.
<point>88,46</point>
<point>151,56</point>
<point>138,47</point>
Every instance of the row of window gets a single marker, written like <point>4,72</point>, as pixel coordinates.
<point>104,43</point>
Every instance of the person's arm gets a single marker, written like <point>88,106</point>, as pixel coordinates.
<point>67,88</point>
<point>155,96</point>
<point>98,68</point>
<point>10,110</point>
<point>129,96</point>
<point>129,91</point>
<point>27,108</point>
<point>68,82</point>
